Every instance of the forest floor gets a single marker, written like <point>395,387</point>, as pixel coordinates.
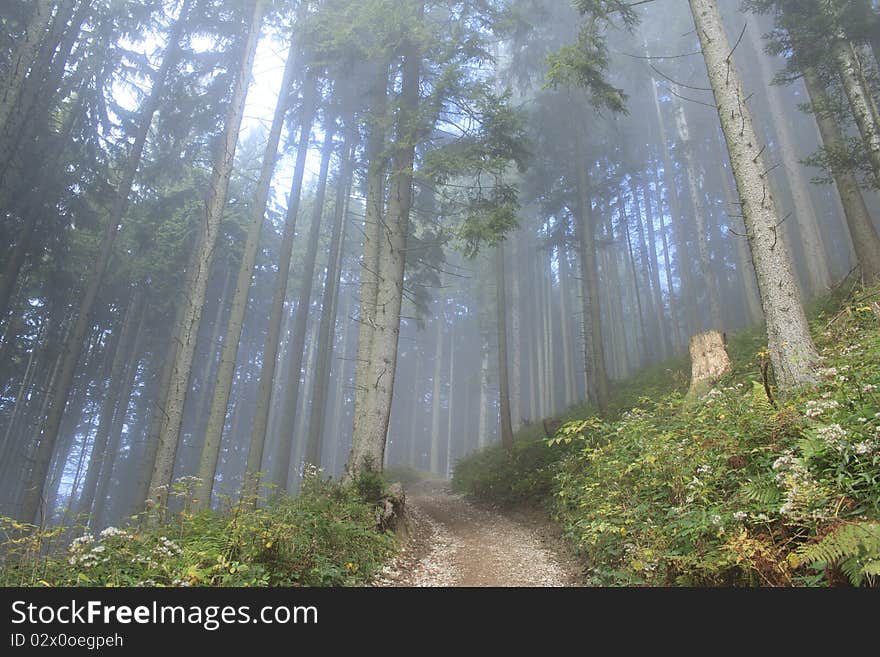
<point>455,542</point>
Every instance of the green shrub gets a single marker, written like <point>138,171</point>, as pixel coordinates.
<point>325,537</point>
<point>721,492</point>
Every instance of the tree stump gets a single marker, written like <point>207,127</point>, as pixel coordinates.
<point>709,362</point>
<point>392,513</point>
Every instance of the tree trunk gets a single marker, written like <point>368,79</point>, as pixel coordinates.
<point>709,361</point>
<point>450,415</point>
<point>372,249</point>
<point>594,357</point>
<point>368,440</point>
<point>684,271</point>
<point>643,348</point>
<point>804,219</point>
<point>564,315</point>
<point>95,276</point>
<point>270,350</point>
<point>792,351</point>
<point>861,227</point>
<point>859,102</point>
<point>226,371</point>
<point>434,454</point>
<point>483,429</point>
<point>99,508</point>
<point>711,284</point>
<point>659,306</point>
<point>287,426</point>
<point>503,388</point>
<point>130,327</point>
<point>516,342</point>
<point>195,297</point>
<point>329,305</point>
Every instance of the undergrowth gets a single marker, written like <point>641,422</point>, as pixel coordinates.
<point>327,536</point>
<point>731,490</point>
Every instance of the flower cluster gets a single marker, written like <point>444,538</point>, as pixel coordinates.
<point>85,553</point>
<point>166,548</point>
<point>802,491</point>
<point>112,532</point>
<point>834,436</point>
<point>817,407</point>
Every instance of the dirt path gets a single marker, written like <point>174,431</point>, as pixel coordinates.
<point>456,543</point>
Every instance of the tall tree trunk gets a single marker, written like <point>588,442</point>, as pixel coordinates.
<point>99,512</point>
<point>643,349</point>
<point>327,327</point>
<point>706,271</point>
<point>450,415</point>
<point>684,271</point>
<point>23,55</point>
<point>130,327</point>
<point>483,429</point>
<point>372,249</point>
<point>859,102</point>
<point>226,371</point>
<point>270,350</point>
<point>804,219</point>
<point>368,440</point>
<point>792,351</point>
<point>564,314</point>
<point>195,295</point>
<point>861,227</point>
<point>659,306</point>
<point>207,382</point>
<point>286,436</point>
<point>434,454</point>
<point>594,357</point>
<point>94,278</point>
<point>503,387</point>
<point>516,341</point>
<point>744,265</point>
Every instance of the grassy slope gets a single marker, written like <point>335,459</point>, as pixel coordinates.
<point>726,491</point>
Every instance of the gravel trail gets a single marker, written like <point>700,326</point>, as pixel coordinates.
<point>457,543</point>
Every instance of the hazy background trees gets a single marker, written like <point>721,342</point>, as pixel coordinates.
<point>181,295</point>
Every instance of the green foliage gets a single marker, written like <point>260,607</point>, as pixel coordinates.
<point>325,537</point>
<point>721,491</point>
<point>405,475</point>
<point>852,547</point>
<point>524,476</point>
<point>585,63</point>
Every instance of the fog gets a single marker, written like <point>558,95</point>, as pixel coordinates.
<point>652,184</point>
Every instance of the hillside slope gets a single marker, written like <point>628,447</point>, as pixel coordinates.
<point>733,489</point>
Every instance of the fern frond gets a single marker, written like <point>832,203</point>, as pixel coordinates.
<point>761,492</point>
<point>853,547</point>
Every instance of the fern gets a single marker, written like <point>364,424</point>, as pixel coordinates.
<point>764,492</point>
<point>853,547</point>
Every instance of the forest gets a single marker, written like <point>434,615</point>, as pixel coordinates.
<point>273,271</point>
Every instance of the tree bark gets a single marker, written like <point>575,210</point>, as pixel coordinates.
<point>865,240</point>
<point>434,454</point>
<point>130,327</point>
<point>226,371</point>
<point>270,350</point>
<point>329,305</point>
<point>94,278</point>
<point>711,284</point>
<point>296,351</point>
<point>792,351</point>
<point>368,440</point>
<point>503,388</point>
<point>193,304</point>
<point>372,248</point>
<point>594,357</point>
